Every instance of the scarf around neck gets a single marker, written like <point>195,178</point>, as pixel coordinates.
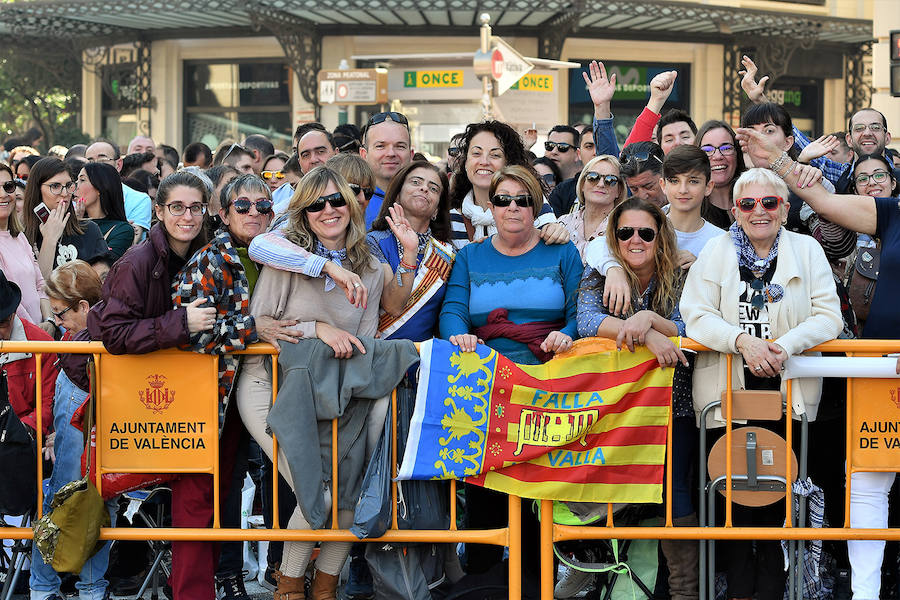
<point>337,256</point>
<point>748,258</point>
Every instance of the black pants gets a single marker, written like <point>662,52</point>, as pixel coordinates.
<point>231,557</point>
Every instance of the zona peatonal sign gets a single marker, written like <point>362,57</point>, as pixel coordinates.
<point>158,413</point>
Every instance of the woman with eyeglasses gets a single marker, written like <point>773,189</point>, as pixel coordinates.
<point>17,258</point>
<point>136,316</point>
<point>51,224</point>
<point>726,162</point>
<point>600,187</point>
<point>73,288</point>
<point>759,282</point>
<point>325,219</point>
<point>273,170</point>
<point>99,194</point>
<point>487,148</point>
<point>515,293</point>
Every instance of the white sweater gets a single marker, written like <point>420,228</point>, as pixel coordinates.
<point>807,315</point>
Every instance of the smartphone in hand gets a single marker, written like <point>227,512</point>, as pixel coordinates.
<point>42,212</point>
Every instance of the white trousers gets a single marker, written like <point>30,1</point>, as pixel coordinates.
<point>868,510</point>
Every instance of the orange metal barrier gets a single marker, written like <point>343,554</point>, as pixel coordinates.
<point>509,536</point>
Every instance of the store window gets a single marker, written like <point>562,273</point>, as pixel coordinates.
<point>235,99</point>
<point>120,101</point>
<point>632,92</point>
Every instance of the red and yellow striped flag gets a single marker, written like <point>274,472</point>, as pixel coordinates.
<point>586,426</point>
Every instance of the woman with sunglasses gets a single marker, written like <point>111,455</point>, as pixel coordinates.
<point>517,294</point>
<point>759,282</point>
<point>549,173</point>
<point>325,219</point>
<point>51,225</point>
<point>599,188</point>
<point>17,258</point>
<point>273,170</point>
<point>136,316</point>
<point>487,148</point>
<point>73,289</point>
<point>99,194</point>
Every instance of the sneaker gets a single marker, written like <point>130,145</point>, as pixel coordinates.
<point>572,582</point>
<point>359,582</point>
<point>231,588</point>
<point>269,581</point>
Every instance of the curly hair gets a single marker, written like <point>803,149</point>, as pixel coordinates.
<point>669,278</point>
<point>298,230</point>
<point>513,152</point>
<point>440,225</point>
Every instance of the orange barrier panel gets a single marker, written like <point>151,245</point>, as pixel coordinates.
<point>861,394</point>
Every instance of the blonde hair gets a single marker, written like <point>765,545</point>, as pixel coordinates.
<point>525,177</point>
<point>298,231</point>
<point>73,282</point>
<point>579,194</point>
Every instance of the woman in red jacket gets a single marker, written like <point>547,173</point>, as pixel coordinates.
<point>136,316</point>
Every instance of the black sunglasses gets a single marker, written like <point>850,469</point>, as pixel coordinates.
<point>549,178</point>
<point>9,187</point>
<point>504,200</point>
<point>561,146</point>
<point>242,206</point>
<point>384,116</point>
<point>638,157</point>
<point>594,177</point>
<point>626,233</point>
<point>336,200</point>
<point>356,189</point>
<point>759,298</point>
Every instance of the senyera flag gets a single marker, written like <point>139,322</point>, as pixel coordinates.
<point>587,426</point>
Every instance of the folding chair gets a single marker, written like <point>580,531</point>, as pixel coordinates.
<point>758,478</point>
<point>11,566</point>
<point>138,500</point>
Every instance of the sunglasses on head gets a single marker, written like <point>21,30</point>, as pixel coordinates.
<point>384,116</point>
<point>638,157</point>
<point>504,200</point>
<point>767,202</point>
<point>561,146</point>
<point>9,187</point>
<point>242,206</point>
<point>453,151</point>
<point>269,175</point>
<point>356,189</point>
<point>336,200</point>
<point>594,177</point>
<point>626,233</point>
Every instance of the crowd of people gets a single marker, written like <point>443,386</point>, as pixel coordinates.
<point>752,241</point>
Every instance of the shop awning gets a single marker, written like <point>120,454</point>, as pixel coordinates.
<point>106,21</point>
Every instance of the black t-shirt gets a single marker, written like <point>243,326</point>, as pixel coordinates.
<point>755,321</point>
<point>884,318</point>
<point>562,198</point>
<point>87,246</point>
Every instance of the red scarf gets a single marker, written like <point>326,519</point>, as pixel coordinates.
<point>531,334</point>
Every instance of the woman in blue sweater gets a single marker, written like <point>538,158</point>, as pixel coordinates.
<point>516,294</point>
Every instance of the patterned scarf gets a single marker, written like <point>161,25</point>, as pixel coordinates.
<point>337,256</point>
<point>748,258</point>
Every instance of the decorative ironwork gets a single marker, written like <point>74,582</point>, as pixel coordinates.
<point>731,106</point>
<point>858,69</point>
<point>552,33</point>
<point>302,45</point>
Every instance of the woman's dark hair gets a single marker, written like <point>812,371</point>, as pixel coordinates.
<point>282,156</point>
<point>28,159</point>
<point>12,224</point>
<point>106,180</point>
<point>740,167</point>
<point>218,172</point>
<point>769,112</point>
<point>557,174</point>
<point>146,179</point>
<point>185,179</point>
<point>513,153</point>
<point>43,170</point>
<point>440,225</point>
<point>133,162</point>
<point>895,189</point>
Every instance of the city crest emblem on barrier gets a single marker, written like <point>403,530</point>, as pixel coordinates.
<point>895,397</point>
<point>156,397</point>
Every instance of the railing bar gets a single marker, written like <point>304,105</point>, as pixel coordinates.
<point>789,447</point>
<point>453,505</point>
<point>216,466</point>
<point>39,434</point>
<point>276,522</point>
<point>548,528</point>
<point>729,403</point>
<point>394,482</point>
<point>669,434</point>
<point>334,474</point>
<point>514,543</point>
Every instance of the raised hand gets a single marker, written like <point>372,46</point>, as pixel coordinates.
<point>818,148</point>
<point>601,88</point>
<point>755,90</point>
<point>402,230</point>
<point>661,87</point>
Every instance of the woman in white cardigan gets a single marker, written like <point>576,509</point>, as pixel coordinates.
<point>758,282</point>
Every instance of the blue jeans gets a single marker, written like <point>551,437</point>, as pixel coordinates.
<point>68,447</point>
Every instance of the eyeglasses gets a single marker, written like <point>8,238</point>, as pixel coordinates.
<point>561,146</point>
<point>176,209</point>
<point>724,149</point>
<point>384,116</point>
<point>9,187</point>
<point>242,206</point>
<point>345,144</point>
<point>61,188</point>
<point>419,182</point>
<point>873,127</point>
<point>767,202</point>
<point>233,146</point>
<point>549,178</point>
<point>356,189</point>
<point>269,175</point>
<point>861,179</point>
<point>645,233</point>
<point>504,200</point>
<point>594,177</point>
<point>59,315</point>
<point>336,200</point>
<point>759,298</point>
